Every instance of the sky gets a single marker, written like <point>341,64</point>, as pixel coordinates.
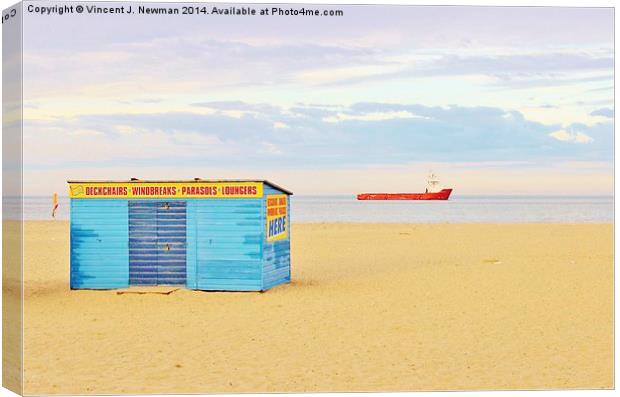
<point>493,100</point>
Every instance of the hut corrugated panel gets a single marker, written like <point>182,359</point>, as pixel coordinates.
<point>225,244</point>
<point>99,244</point>
<point>157,242</point>
<point>276,254</point>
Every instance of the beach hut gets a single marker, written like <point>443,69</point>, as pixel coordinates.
<point>220,235</point>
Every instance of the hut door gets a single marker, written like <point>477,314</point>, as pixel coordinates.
<point>157,237</point>
<point>171,238</point>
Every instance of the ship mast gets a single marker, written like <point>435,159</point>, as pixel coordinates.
<point>432,183</point>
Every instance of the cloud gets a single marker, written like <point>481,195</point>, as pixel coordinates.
<point>134,62</point>
<point>575,137</point>
<point>604,112</point>
<point>156,62</point>
<point>363,133</point>
<point>280,125</point>
<point>516,70</point>
<point>549,79</point>
<point>372,116</point>
<point>522,63</point>
<point>236,106</point>
<point>141,101</point>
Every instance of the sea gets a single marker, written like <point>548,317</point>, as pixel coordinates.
<point>459,209</point>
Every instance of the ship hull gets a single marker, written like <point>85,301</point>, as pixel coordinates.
<point>444,194</point>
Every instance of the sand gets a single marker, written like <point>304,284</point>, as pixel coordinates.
<point>12,325</point>
<point>371,307</point>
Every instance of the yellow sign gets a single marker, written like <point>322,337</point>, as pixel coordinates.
<point>277,217</point>
<point>136,190</point>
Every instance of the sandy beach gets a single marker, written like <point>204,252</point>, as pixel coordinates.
<point>371,307</point>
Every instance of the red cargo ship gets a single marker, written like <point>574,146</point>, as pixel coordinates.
<point>432,193</point>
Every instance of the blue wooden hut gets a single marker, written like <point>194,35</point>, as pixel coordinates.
<point>220,235</point>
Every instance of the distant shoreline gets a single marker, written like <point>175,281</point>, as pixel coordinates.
<point>457,210</point>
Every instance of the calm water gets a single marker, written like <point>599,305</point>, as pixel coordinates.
<point>467,209</point>
<point>459,209</point>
